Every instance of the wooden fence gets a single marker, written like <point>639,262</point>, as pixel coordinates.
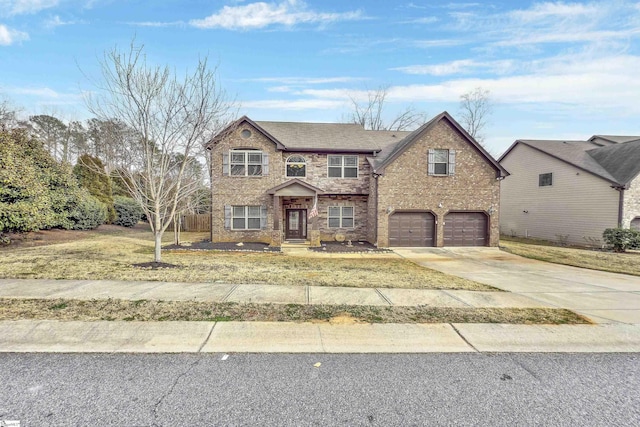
<point>194,223</point>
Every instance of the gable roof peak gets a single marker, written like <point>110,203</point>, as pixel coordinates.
<point>389,154</point>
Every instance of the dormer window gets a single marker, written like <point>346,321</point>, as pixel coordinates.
<point>296,167</point>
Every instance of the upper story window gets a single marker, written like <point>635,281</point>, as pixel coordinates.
<point>245,163</point>
<point>343,166</point>
<point>545,179</point>
<point>442,162</point>
<point>296,167</point>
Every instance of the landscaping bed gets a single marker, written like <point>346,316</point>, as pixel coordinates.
<point>147,310</point>
<point>345,247</point>
<point>207,245</point>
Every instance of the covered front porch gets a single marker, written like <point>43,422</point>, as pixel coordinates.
<point>295,213</point>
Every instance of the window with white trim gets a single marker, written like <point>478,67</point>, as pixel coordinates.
<point>246,218</point>
<point>340,217</point>
<point>442,162</point>
<point>296,167</point>
<point>246,163</point>
<point>342,166</point>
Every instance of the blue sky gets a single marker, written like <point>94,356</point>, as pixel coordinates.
<point>558,70</point>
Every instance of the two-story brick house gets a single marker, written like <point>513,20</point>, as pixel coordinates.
<point>277,181</point>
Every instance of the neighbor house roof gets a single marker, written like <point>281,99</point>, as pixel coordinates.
<point>621,160</point>
<point>618,162</point>
<point>616,139</point>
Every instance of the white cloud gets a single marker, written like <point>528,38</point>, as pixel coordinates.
<point>157,24</point>
<point>22,7</point>
<point>261,15</point>
<point>9,36</point>
<point>47,96</point>
<point>295,104</point>
<point>460,66</point>
<point>576,82</point>
<point>545,10</point>
<point>552,22</point>
<point>55,22</point>
<point>305,80</point>
<point>422,20</point>
<point>426,44</point>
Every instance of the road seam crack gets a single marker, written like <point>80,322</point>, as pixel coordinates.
<point>154,409</point>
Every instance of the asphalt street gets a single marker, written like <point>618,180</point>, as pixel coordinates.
<point>320,389</point>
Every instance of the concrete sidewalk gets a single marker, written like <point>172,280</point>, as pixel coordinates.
<point>256,293</point>
<point>210,337</point>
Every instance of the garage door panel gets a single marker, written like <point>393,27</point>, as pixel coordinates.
<point>465,229</point>
<point>411,229</point>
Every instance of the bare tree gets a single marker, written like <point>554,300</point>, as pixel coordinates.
<point>475,109</point>
<point>370,112</point>
<point>8,114</point>
<point>172,117</point>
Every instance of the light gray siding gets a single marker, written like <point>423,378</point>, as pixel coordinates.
<point>577,208</point>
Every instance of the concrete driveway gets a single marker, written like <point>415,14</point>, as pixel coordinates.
<point>601,296</point>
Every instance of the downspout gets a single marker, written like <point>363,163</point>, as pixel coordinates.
<point>621,207</point>
<point>211,194</point>
<point>375,201</point>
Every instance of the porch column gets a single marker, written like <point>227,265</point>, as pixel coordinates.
<point>314,233</point>
<point>277,211</point>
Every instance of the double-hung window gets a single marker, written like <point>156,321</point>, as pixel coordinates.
<point>246,163</point>
<point>246,218</point>
<point>442,162</point>
<point>343,166</point>
<point>340,217</point>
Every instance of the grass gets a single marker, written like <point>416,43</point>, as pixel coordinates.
<point>110,254</point>
<point>626,263</point>
<point>144,310</point>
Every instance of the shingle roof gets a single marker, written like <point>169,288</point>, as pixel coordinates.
<point>621,160</point>
<point>618,163</point>
<point>330,136</point>
<point>616,138</point>
<point>383,145</point>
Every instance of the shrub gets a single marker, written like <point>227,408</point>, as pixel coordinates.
<point>25,196</point>
<point>87,213</point>
<point>91,174</point>
<point>621,239</point>
<point>128,211</point>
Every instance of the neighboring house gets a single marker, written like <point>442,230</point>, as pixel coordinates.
<point>571,191</point>
<point>276,181</point>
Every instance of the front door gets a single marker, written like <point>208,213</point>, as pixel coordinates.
<point>296,224</point>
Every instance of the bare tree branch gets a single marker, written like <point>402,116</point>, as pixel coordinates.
<point>369,113</point>
<point>475,109</point>
<point>171,118</point>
